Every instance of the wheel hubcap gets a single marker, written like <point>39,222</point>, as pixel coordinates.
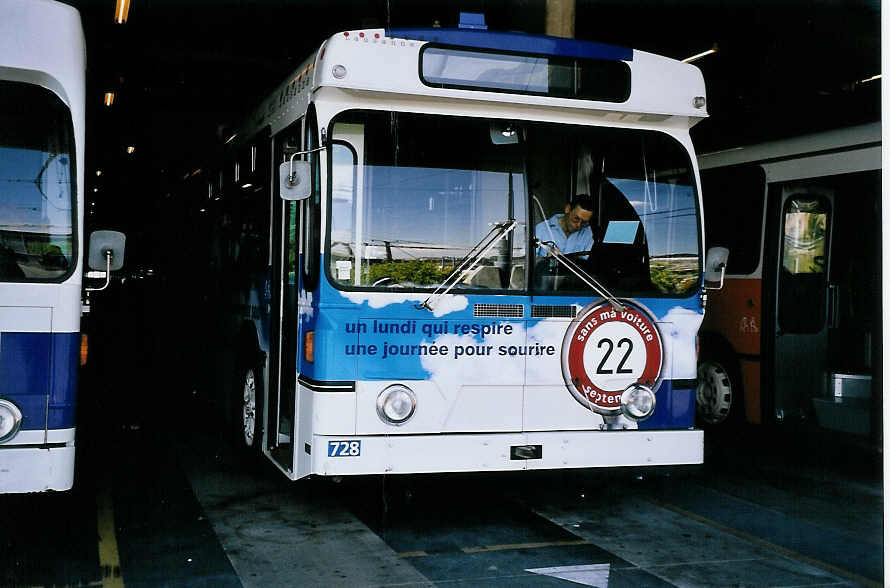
<point>713,397</point>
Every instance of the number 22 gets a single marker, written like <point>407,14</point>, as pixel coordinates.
<point>620,369</point>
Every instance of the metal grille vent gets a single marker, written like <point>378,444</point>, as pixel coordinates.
<point>498,310</point>
<point>551,311</point>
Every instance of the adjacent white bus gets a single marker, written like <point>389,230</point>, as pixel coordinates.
<point>42,73</point>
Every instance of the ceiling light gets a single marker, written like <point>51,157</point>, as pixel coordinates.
<point>702,54</point>
<point>109,98</point>
<point>121,10</point>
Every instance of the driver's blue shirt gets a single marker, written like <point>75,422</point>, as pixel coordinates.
<point>549,230</point>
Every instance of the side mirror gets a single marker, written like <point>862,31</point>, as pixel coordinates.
<point>106,250</point>
<point>295,180</point>
<point>715,267</point>
<point>106,254</point>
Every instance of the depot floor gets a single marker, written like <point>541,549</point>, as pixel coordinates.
<point>176,506</point>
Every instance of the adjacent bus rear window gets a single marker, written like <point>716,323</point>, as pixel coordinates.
<point>560,77</point>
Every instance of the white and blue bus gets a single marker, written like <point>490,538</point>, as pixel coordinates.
<point>42,73</point>
<point>396,312</point>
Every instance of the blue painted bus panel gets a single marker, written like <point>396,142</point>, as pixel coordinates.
<point>34,365</point>
<point>368,336</point>
<point>63,385</point>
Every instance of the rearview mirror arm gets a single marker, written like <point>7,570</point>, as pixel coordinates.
<point>108,256</point>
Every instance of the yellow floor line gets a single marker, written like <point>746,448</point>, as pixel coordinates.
<point>413,554</point>
<point>484,548</point>
<point>109,558</point>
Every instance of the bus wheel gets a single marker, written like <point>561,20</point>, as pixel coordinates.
<point>715,396</point>
<point>250,409</point>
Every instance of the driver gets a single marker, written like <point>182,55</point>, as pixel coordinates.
<point>570,232</point>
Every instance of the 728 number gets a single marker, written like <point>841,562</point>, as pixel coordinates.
<point>344,448</point>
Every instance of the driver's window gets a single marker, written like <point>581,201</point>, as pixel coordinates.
<point>345,235</point>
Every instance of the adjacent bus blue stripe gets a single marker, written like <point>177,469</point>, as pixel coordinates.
<point>39,371</point>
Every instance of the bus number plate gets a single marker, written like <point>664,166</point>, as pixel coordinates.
<point>344,448</point>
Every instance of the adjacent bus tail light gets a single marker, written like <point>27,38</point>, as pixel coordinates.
<point>309,346</point>
<point>10,420</point>
<point>396,404</point>
<point>84,349</point>
<point>638,402</point>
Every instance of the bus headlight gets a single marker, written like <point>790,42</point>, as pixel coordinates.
<point>396,404</point>
<point>638,402</point>
<point>10,420</point>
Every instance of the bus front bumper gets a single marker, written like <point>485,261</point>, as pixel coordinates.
<point>415,454</point>
<point>37,462</point>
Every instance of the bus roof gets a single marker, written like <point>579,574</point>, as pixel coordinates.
<point>662,91</point>
<point>36,41</point>
<point>809,144</point>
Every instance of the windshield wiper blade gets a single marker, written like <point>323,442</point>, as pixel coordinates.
<point>498,231</point>
<point>576,269</point>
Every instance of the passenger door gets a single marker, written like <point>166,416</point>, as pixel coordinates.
<point>802,296</point>
<point>284,338</point>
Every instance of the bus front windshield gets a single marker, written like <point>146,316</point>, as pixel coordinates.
<point>411,195</point>
<point>36,175</point>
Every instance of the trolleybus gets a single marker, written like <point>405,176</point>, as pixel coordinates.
<point>794,335</point>
<point>396,309</point>
<point>42,67</point>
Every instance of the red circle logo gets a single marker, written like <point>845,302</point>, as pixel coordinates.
<point>605,351</point>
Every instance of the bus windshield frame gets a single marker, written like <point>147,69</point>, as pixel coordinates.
<point>38,185</point>
<point>646,199</point>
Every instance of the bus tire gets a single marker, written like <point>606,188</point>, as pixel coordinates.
<point>718,395</point>
<point>249,409</point>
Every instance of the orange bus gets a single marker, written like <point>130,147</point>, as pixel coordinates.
<point>794,333</point>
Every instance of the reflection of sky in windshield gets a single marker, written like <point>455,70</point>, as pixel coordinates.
<point>450,207</point>
<point>444,207</point>
<point>667,212</point>
<point>32,201</point>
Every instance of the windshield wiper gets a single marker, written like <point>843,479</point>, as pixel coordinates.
<point>498,231</point>
<point>576,269</point>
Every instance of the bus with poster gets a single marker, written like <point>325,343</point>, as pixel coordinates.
<point>390,307</point>
<point>42,81</point>
<point>794,334</point>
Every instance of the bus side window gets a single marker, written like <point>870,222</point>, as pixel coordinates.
<point>803,272</point>
<point>733,210</point>
<point>346,241</point>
